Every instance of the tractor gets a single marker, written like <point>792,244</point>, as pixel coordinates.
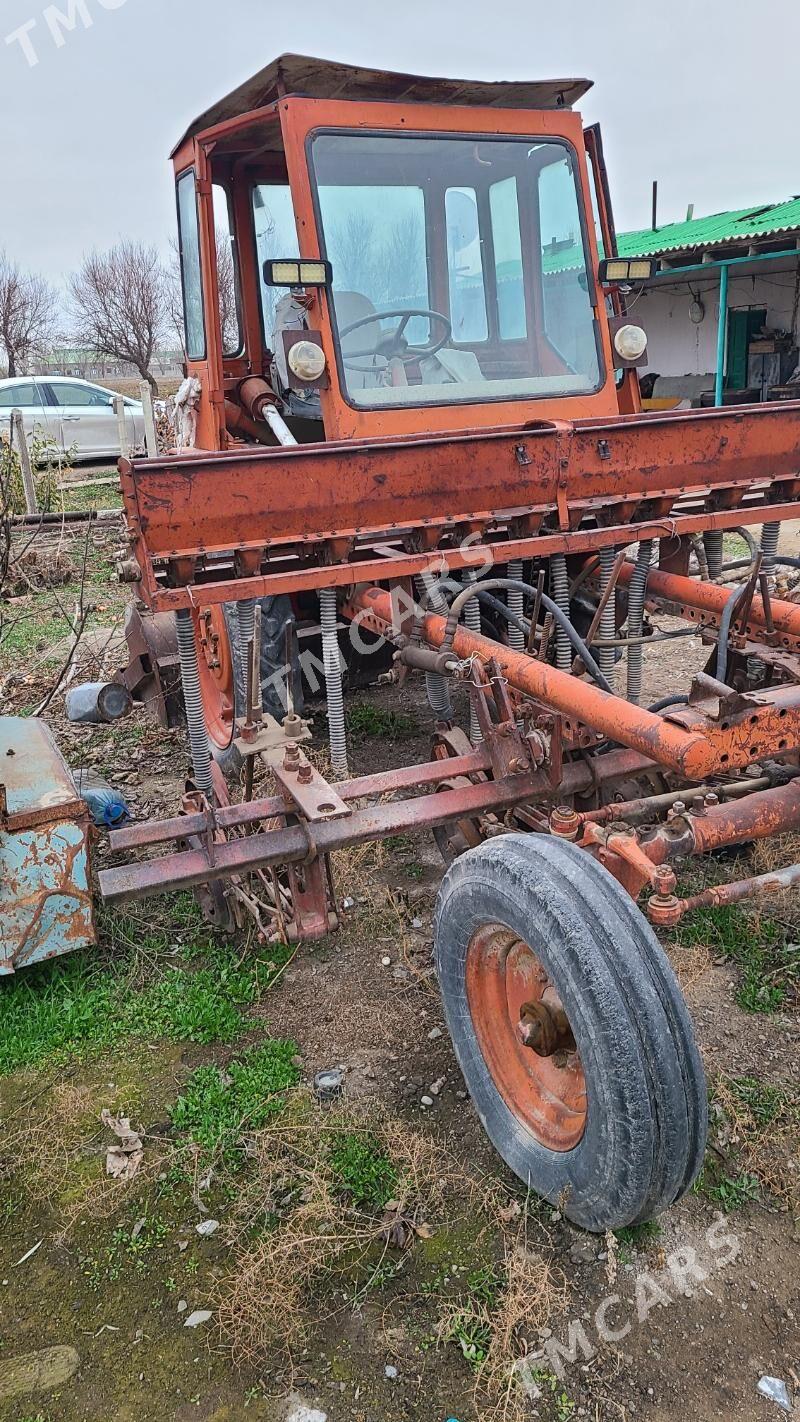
<point>411,439</point>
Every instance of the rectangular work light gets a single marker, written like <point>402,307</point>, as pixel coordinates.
<point>622,270</point>
<point>297,273</point>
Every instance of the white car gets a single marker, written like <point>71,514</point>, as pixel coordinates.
<point>74,415</point>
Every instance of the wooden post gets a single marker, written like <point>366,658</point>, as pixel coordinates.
<point>150,437</point>
<point>18,428</point>
<point>119,411</point>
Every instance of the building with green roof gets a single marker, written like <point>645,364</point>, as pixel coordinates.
<point>745,262</point>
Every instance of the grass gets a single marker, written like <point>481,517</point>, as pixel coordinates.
<point>468,1322</point>
<point>563,1406</point>
<point>100,496</point>
<point>216,1106</point>
<point>362,1169</point>
<point>755,1128</point>
<point>312,1223</point>
<point>364,718</point>
<point>769,968</point>
<point>729,1192</point>
<point>130,987</point>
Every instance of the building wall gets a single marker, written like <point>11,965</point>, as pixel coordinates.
<point>677,347</point>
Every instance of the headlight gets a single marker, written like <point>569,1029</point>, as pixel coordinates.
<point>630,342</point>
<point>306,360</point>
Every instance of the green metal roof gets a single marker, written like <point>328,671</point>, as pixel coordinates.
<point>721,229</point>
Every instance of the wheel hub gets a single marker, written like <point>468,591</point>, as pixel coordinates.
<point>525,1037</point>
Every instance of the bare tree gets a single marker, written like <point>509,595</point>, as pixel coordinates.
<point>27,314</point>
<point>173,296</point>
<point>357,260</point>
<point>120,300</point>
<point>228,302</point>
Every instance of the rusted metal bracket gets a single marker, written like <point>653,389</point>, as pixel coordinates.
<point>304,788</point>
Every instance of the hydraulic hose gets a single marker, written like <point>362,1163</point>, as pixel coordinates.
<point>779,562</point>
<point>667,701</point>
<point>575,641</point>
<point>725,631</point>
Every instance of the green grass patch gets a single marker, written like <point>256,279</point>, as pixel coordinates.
<point>563,1406</point>
<point>37,629</point>
<point>98,496</point>
<point>756,944</point>
<point>729,1192</point>
<point>639,1233</point>
<point>364,718</point>
<point>135,985</point>
<point>362,1169</point>
<point>218,1105</point>
<point>469,1323</point>
<point>765,1103</point>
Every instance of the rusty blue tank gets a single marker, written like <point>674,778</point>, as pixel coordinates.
<point>45,887</point>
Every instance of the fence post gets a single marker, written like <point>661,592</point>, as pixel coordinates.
<point>119,411</point>
<point>18,428</point>
<point>150,437</point>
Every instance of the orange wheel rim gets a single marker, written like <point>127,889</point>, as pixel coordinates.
<point>215,667</point>
<point>547,1094</point>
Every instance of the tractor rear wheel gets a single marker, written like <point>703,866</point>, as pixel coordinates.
<point>570,1029</point>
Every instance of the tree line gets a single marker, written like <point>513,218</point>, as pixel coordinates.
<point>124,303</point>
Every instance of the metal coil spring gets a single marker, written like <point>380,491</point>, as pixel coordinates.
<point>636,598</point>
<point>436,687</point>
<point>515,599</point>
<point>606,659</point>
<point>559,591</point>
<point>193,701</point>
<point>472,620</point>
<point>712,542</point>
<point>246,618</point>
<point>770,538</point>
<point>333,681</point>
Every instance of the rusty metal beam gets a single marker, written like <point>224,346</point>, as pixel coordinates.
<point>708,601</point>
<point>293,843</point>
<point>290,575</point>
<point>686,752</point>
<point>759,816</point>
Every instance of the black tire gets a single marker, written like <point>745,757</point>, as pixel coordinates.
<point>646,1102</point>
<point>276,616</point>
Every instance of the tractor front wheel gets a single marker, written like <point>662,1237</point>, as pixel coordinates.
<point>570,1029</point>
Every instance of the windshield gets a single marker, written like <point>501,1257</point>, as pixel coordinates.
<point>459,268</point>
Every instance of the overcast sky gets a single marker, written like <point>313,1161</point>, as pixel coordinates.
<point>700,94</point>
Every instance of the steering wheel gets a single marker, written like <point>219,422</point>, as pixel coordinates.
<point>393,344</point>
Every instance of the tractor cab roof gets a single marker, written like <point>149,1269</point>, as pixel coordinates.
<point>328,79</point>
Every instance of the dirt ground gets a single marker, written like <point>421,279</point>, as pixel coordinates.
<point>412,1326</point>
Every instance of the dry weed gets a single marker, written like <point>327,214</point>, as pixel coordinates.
<point>312,1230</point>
<point>691,965</point>
<point>536,1289</point>
<point>762,1124</point>
<point>45,1143</point>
